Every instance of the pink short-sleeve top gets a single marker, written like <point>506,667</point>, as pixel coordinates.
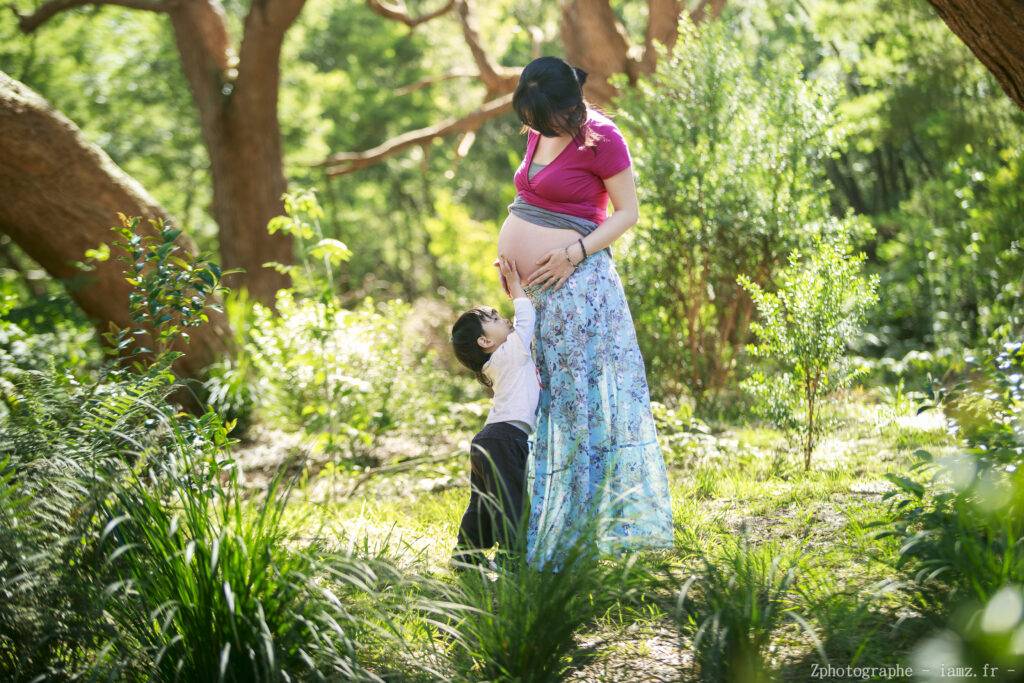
<point>573,182</point>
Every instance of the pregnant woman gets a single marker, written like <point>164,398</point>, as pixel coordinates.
<point>597,464</point>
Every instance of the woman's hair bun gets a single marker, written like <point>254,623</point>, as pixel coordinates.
<point>580,74</point>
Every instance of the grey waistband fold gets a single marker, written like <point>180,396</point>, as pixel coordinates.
<point>550,219</point>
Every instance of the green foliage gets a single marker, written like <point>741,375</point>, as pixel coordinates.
<point>960,519</point>
<point>128,551</point>
<point>462,250</point>
<point>928,151</point>
<point>729,152</point>
<point>59,442</point>
<point>203,581</point>
<point>318,256</point>
<point>63,441</point>
<point>805,328</point>
<point>744,595</point>
<point>341,376</point>
<point>521,624</point>
<point>951,268</point>
<point>41,325</point>
<point>681,435</point>
<point>170,292</point>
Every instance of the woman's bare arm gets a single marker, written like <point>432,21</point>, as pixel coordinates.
<point>622,193</point>
<point>553,269</point>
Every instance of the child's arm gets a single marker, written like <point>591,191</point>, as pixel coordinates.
<point>526,317</point>
<point>526,320</point>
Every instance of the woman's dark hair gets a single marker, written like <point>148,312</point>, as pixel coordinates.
<point>465,332</point>
<point>549,98</point>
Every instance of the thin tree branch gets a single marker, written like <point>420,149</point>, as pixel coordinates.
<point>397,11</point>
<point>30,22</point>
<point>497,79</point>
<point>347,162</point>
<point>433,80</point>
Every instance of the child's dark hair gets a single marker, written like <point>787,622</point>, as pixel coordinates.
<point>549,99</point>
<point>465,332</point>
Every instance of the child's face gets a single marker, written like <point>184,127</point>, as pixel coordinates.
<point>496,331</point>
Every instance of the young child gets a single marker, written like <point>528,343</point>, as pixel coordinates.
<point>498,352</point>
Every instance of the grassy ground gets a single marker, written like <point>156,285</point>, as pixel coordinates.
<point>851,606</point>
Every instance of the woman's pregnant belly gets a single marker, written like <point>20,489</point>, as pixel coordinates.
<point>526,243</point>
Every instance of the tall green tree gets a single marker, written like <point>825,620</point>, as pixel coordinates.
<point>235,93</point>
<point>729,155</point>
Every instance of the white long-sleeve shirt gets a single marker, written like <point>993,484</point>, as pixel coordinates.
<point>513,373</point>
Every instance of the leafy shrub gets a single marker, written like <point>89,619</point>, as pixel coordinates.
<point>733,606</point>
<point>318,255</point>
<point>729,153</point>
<point>805,329</point>
<point>127,550</point>
<point>960,519</point>
<point>203,581</point>
<point>680,434</point>
<point>170,294</point>
<point>60,443</point>
<point>522,623</point>
<point>345,377</point>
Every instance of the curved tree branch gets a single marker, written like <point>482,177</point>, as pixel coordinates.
<point>347,162</point>
<point>397,11</point>
<point>497,79</point>
<point>433,80</point>
<point>28,23</point>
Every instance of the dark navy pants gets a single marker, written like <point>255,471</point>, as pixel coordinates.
<point>498,482</point>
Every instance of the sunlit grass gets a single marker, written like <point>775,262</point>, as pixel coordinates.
<point>751,483</point>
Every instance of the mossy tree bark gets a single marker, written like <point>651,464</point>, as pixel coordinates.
<point>60,195</point>
<point>236,99</point>
<point>994,31</point>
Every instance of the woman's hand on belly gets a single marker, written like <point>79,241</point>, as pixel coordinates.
<point>553,269</point>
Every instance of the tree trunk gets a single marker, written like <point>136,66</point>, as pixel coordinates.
<point>59,195</point>
<point>239,123</point>
<point>994,31</point>
<point>596,41</point>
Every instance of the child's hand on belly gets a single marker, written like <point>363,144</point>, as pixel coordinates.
<point>504,282</point>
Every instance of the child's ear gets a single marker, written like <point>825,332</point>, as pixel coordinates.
<point>484,342</point>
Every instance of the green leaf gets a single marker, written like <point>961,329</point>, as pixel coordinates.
<point>100,253</point>
<point>333,250</point>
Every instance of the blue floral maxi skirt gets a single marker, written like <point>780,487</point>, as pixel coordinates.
<point>597,467</point>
